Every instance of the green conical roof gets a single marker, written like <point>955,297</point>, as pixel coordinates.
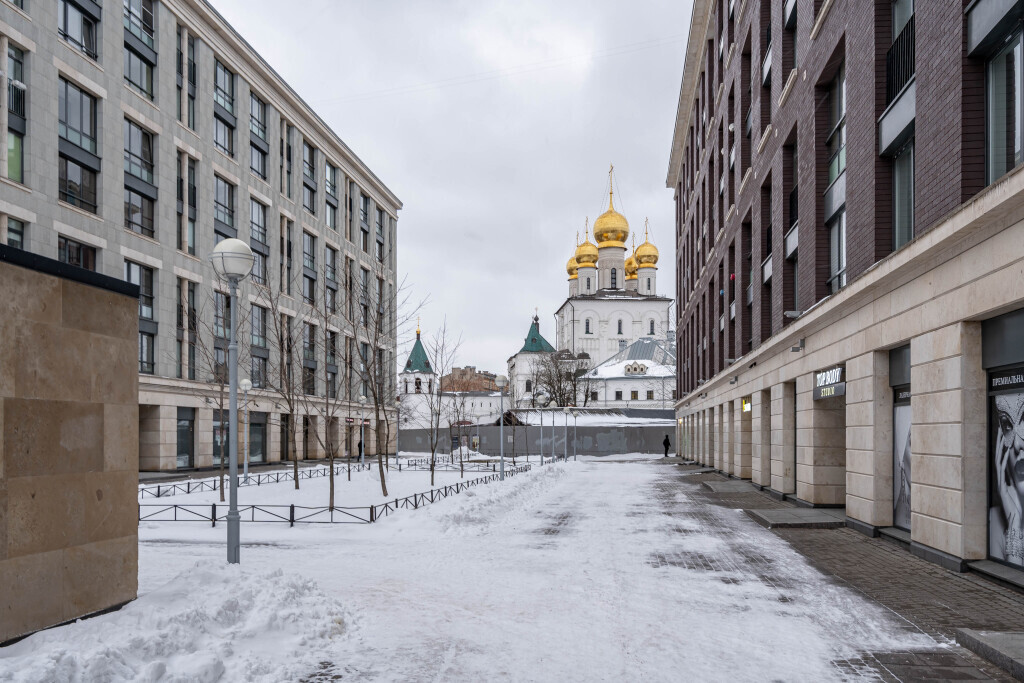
<point>535,343</point>
<point>418,361</point>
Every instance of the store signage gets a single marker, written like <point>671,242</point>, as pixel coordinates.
<point>901,395</point>
<point>1006,380</point>
<point>746,405</point>
<point>829,383</point>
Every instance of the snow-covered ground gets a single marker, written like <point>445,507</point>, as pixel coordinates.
<point>571,572</point>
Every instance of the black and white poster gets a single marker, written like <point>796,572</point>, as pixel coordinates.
<point>1006,493</point>
<point>901,458</point>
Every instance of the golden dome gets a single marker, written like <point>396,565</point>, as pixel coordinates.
<point>646,253</point>
<point>611,229</point>
<point>631,267</point>
<point>570,268</point>
<point>586,253</point>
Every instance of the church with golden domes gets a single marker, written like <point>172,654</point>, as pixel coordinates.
<point>613,291</point>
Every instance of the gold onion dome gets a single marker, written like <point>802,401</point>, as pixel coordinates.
<point>570,268</point>
<point>631,264</point>
<point>586,253</point>
<point>646,253</point>
<point>611,229</point>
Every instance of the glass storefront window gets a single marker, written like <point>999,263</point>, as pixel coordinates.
<point>186,438</point>
<point>901,420</point>
<point>257,442</point>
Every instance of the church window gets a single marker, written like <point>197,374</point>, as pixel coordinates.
<point>620,326</point>
<point>650,394</point>
<point>587,326</point>
<point>615,279</point>
<point>588,284</point>
<point>419,385</point>
<point>651,328</point>
<point>618,395</point>
<point>407,386</point>
<point>648,284</point>
<point>430,386</point>
<point>593,395</point>
<point>633,395</point>
<point>529,385</point>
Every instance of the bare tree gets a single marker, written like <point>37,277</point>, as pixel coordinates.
<point>564,378</point>
<point>441,351</point>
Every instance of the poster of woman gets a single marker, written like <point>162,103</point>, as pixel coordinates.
<point>901,466</point>
<point>1006,514</point>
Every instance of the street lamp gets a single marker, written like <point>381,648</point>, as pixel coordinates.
<point>362,444</point>
<point>232,260</point>
<point>246,385</point>
<point>574,416</point>
<point>501,381</point>
<point>565,433</point>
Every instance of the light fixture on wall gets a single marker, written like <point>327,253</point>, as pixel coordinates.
<point>730,361</point>
<point>734,380</point>
<point>799,346</point>
<point>792,314</point>
<point>752,364</point>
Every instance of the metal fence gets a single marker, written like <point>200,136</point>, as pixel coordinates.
<point>299,514</point>
<point>200,485</point>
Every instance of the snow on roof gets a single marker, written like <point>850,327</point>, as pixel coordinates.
<point>654,354</point>
<point>608,370</point>
<point>592,418</point>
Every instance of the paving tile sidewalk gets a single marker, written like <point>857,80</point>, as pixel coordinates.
<point>928,597</point>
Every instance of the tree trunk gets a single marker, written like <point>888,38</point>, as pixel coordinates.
<point>291,447</point>
<point>330,463</point>
<point>383,482</point>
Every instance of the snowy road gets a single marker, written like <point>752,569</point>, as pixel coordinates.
<point>595,570</point>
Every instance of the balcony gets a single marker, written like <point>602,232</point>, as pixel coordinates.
<point>766,64</point>
<point>721,323</point>
<point>750,293</point>
<point>900,62</point>
<point>732,156</point>
<point>766,270</point>
<point>16,97</point>
<point>732,310</point>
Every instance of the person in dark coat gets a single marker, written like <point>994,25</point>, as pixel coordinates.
<point>667,444</point>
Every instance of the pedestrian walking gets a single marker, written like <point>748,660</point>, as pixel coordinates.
<point>667,444</point>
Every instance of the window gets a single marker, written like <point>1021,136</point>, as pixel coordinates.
<point>77,116</point>
<point>309,290</point>
<point>192,80</point>
<point>186,225</point>
<point>332,217</point>
<point>332,384</point>
<point>634,395</point>
<point>331,300</point>
<point>77,185</point>
<point>615,279</point>
<point>221,315</point>
<point>138,72</point>
<point>593,395</point>
<point>15,78</point>
<point>650,395</point>
<point>364,239</point>
<point>331,180</point>
<point>146,343</point>
<point>143,277</point>
<point>649,288</point>
<point>331,264</point>
<point>77,29</point>
<point>16,156</point>
<point>380,234</point>
<point>138,213</point>
<point>618,395</point>
<point>223,201</point>
<point>1005,92</point>
<point>257,221</point>
<point>620,326</point>
<point>138,19</point>
<point>308,341</point>
<point>258,373</point>
<point>903,196</point>
<point>15,233</point>
<point>308,381</point>
<point>308,251</point>
<point>364,208</point>
<point>529,386</point>
<point>309,199</point>
<point>224,87</point>
<point>837,252</point>
<point>257,116</point>
<point>138,151</point>
<point>588,284</point>
<point>586,326</point>
<point>75,253</point>
<point>257,161</point>
<point>259,326</point>
<point>223,136</point>
<point>836,142</point>
<point>308,161</point>
<point>650,330</point>
<point>259,268</point>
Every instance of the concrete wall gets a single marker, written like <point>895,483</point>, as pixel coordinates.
<point>527,440</point>
<point>69,445</point>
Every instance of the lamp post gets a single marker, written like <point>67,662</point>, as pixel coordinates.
<point>362,444</point>
<point>246,385</point>
<point>541,411</point>
<point>565,433</point>
<point>501,382</point>
<point>574,416</point>
<point>232,260</point>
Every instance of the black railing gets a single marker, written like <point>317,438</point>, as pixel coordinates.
<point>16,98</point>
<point>899,62</point>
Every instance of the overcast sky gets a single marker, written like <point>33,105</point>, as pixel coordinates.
<point>494,122</point>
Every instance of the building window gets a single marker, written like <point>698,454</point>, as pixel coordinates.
<point>143,277</point>
<point>588,284</point>
<point>259,326</point>
<point>138,213</point>
<point>224,201</point>
<point>309,199</point>
<point>224,87</point>
<point>77,116</point>
<point>257,221</point>
<point>331,300</point>
<point>332,384</point>
<point>75,253</point>
<point>77,185</point>
<point>620,326</point>
<point>586,326</point>
<point>15,233</point>
<point>138,72</point>
<point>618,395</point>
<point>634,395</point>
<point>308,341</point>
<point>332,217</point>
<point>593,396</point>
<point>836,142</point>
<point>837,252</point>
<point>223,136</point>
<point>308,251</point>
<point>903,196</point>
<point>650,395</point>
<point>650,330</point>
<point>364,208</point>
<point>529,385</point>
<point>76,28</point>
<point>615,279</point>
<point>259,268</point>
<point>258,373</point>
<point>257,117</point>
<point>221,315</point>
<point>257,161</point>
<point>146,343</point>
<point>331,180</point>
<point>308,161</point>
<point>1005,109</point>
<point>648,285</point>
<point>331,264</point>
<point>419,385</point>
<point>309,290</point>
<point>138,151</point>
<point>15,156</point>
<point>380,234</point>
<point>364,240</point>
<point>138,19</point>
<point>193,77</point>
